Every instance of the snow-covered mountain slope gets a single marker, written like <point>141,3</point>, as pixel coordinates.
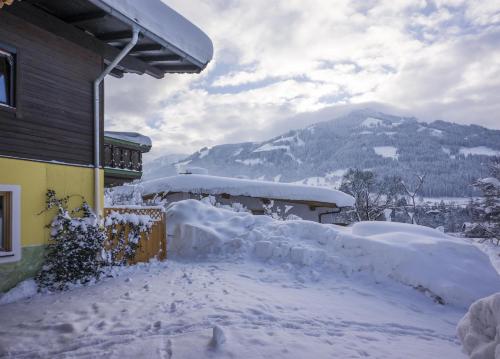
<point>451,154</point>
<point>162,166</point>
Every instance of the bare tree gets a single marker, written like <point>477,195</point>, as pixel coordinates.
<point>372,197</point>
<point>411,193</point>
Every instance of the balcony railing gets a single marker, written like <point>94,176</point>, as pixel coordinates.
<point>119,157</point>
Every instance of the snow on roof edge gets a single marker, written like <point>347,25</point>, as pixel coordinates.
<point>242,187</point>
<point>133,137</point>
<point>164,25</point>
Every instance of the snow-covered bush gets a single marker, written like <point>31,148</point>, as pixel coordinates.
<point>479,329</point>
<point>128,194</point>
<point>72,256</point>
<point>125,231</point>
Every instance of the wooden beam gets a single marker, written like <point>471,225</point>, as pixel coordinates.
<point>139,49</point>
<point>115,36</point>
<point>85,18</point>
<point>68,32</point>
<point>117,73</point>
<point>160,58</point>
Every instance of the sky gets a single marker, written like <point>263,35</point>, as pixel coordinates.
<point>284,64</point>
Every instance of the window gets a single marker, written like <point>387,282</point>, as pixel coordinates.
<point>5,230</point>
<point>7,78</point>
<point>10,244</point>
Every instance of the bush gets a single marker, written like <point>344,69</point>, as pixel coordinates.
<point>73,254</point>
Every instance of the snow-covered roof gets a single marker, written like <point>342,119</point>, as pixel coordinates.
<point>133,137</point>
<point>163,24</point>
<point>242,187</point>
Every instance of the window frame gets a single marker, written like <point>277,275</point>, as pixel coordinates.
<point>12,195</point>
<point>10,53</point>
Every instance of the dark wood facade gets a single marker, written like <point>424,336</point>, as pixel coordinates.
<point>53,115</point>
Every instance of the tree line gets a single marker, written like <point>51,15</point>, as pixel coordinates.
<point>392,198</point>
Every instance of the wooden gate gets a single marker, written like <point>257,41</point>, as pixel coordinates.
<point>152,245</point>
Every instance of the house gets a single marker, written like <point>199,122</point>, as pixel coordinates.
<point>317,204</point>
<point>54,56</point>
<point>123,156</point>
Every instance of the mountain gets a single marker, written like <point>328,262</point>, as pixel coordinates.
<point>162,166</point>
<point>451,155</point>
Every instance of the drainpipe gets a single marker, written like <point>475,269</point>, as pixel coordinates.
<point>97,112</point>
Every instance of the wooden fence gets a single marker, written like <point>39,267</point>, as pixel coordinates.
<point>152,245</point>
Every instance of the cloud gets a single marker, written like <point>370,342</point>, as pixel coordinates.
<point>289,63</point>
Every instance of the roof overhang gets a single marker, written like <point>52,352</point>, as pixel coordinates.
<point>169,43</point>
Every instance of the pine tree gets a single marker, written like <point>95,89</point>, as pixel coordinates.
<point>487,224</point>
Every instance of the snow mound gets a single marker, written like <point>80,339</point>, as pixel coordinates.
<point>242,187</point>
<point>479,329</point>
<point>24,290</point>
<point>426,259</point>
<point>444,268</point>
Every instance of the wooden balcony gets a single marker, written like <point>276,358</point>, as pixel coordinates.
<point>122,161</point>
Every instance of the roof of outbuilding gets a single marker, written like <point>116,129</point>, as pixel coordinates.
<point>213,185</point>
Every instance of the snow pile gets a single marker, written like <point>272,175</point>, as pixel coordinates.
<point>25,289</point>
<point>200,230</point>
<point>426,259</point>
<point>447,270</point>
<point>479,329</point>
<point>241,187</point>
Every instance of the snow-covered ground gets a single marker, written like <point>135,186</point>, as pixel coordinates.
<point>268,289</point>
<point>264,310</point>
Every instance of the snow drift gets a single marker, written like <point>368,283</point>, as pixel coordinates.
<point>446,269</point>
<point>479,330</point>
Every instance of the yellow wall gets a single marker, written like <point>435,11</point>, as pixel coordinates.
<point>35,178</point>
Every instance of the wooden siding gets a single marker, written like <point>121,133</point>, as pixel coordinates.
<point>53,118</point>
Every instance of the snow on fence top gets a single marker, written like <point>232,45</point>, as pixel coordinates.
<point>163,24</point>
<point>133,137</point>
<point>242,187</point>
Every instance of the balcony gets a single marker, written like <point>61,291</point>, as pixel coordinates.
<point>123,157</point>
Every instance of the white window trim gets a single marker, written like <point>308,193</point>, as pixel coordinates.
<point>15,254</point>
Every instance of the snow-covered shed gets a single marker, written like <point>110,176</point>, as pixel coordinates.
<point>317,204</point>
